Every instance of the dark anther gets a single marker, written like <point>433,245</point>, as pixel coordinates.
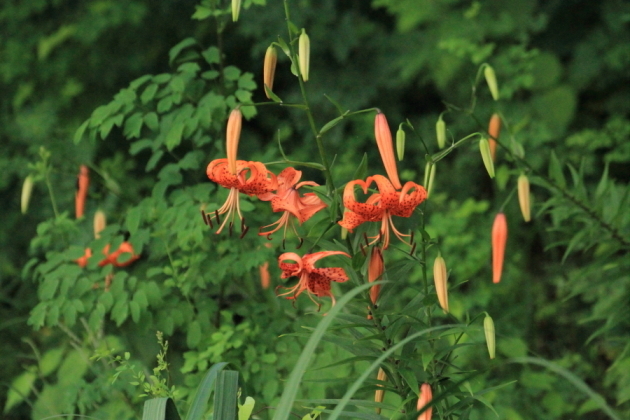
<point>244,232</point>
<point>383,327</point>
<point>243,227</point>
<point>216,213</point>
<point>203,216</point>
<point>363,250</point>
<point>209,219</point>
<point>375,306</point>
<point>397,362</point>
<point>411,237</point>
<point>301,243</point>
<point>384,349</point>
<point>269,237</point>
<point>369,312</point>
<point>389,342</point>
<point>413,248</point>
<point>283,241</point>
<point>231,227</point>
<point>367,242</point>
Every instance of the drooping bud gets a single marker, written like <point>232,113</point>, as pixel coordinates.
<point>491,79</point>
<point>440,132</point>
<point>83,182</point>
<point>233,135</point>
<point>488,329</point>
<point>426,395</point>
<point>269,68</point>
<point>375,271</point>
<point>236,9</point>
<point>386,148</point>
<point>429,176</point>
<point>304,48</point>
<point>486,155</point>
<point>27,191</point>
<point>494,129</point>
<point>400,142</point>
<point>100,221</point>
<point>380,393</point>
<point>440,279</point>
<point>523,197</point>
<point>499,240</point>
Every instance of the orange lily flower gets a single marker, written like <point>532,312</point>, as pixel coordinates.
<point>287,199</point>
<point>316,281</point>
<point>426,395</point>
<point>82,262</point>
<point>251,178</point>
<point>83,182</point>
<point>124,248</point>
<point>381,206</point>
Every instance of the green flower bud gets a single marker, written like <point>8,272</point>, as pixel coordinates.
<point>486,155</point>
<point>304,48</point>
<point>400,143</point>
<point>488,328</point>
<point>27,190</point>
<point>236,9</point>
<point>491,79</point>
<point>440,131</point>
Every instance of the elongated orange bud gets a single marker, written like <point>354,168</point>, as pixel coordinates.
<point>375,271</point>
<point>380,393</point>
<point>494,129</point>
<point>386,148</point>
<point>426,395</point>
<point>80,196</point>
<point>233,135</point>
<point>523,197</point>
<point>440,279</point>
<point>499,240</point>
<point>100,221</point>
<point>304,48</point>
<point>27,191</point>
<point>488,329</point>
<point>264,275</point>
<point>491,79</point>
<point>269,68</point>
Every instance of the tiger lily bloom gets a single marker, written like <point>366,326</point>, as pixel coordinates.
<point>287,199</point>
<point>124,248</point>
<point>83,182</point>
<point>251,178</point>
<point>426,395</point>
<point>381,206</point>
<point>315,281</point>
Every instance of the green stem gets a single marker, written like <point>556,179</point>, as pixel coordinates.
<point>330,186</point>
<point>52,195</point>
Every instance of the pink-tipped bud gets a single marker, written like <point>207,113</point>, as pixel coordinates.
<point>426,395</point>
<point>386,148</point>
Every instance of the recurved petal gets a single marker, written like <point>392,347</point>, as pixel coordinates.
<point>337,274</point>
<point>370,211</point>
<point>352,220</point>
<point>309,260</point>
<point>308,206</point>
<point>318,284</point>
<point>409,198</point>
<point>290,269</point>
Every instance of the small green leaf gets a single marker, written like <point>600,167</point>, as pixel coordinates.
<point>177,49</point>
<point>231,73</point>
<point>201,12</point>
<point>138,146</point>
<point>133,219</point>
<point>133,126</point>
<point>149,93</point>
<point>212,55</point>
<point>20,389</point>
<point>165,104</point>
<point>555,171</point>
<point>245,410</point>
<point>78,135</point>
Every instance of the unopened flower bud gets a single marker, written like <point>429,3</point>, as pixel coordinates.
<point>523,197</point>
<point>269,68</point>
<point>400,143</point>
<point>486,155</point>
<point>440,279</point>
<point>426,395</point>
<point>429,177</point>
<point>488,329</point>
<point>233,135</point>
<point>264,275</point>
<point>491,79</point>
<point>380,393</point>
<point>440,132</point>
<point>27,191</point>
<point>304,48</point>
<point>494,129</point>
<point>386,148</point>
<point>100,221</point>
<point>236,9</point>
<point>499,241</point>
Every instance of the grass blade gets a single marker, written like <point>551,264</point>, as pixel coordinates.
<point>160,409</point>
<point>225,395</point>
<point>200,402</point>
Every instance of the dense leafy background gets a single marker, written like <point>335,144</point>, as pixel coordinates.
<point>563,74</point>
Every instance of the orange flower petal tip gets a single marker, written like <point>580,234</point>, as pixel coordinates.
<point>499,241</point>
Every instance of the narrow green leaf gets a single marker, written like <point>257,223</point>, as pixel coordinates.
<point>78,135</point>
<point>160,409</point>
<point>19,390</point>
<point>283,410</point>
<point>330,124</point>
<point>336,104</point>
<point>272,95</point>
<point>555,171</point>
<point>200,402</point>
<point>225,396</point>
<point>177,49</point>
